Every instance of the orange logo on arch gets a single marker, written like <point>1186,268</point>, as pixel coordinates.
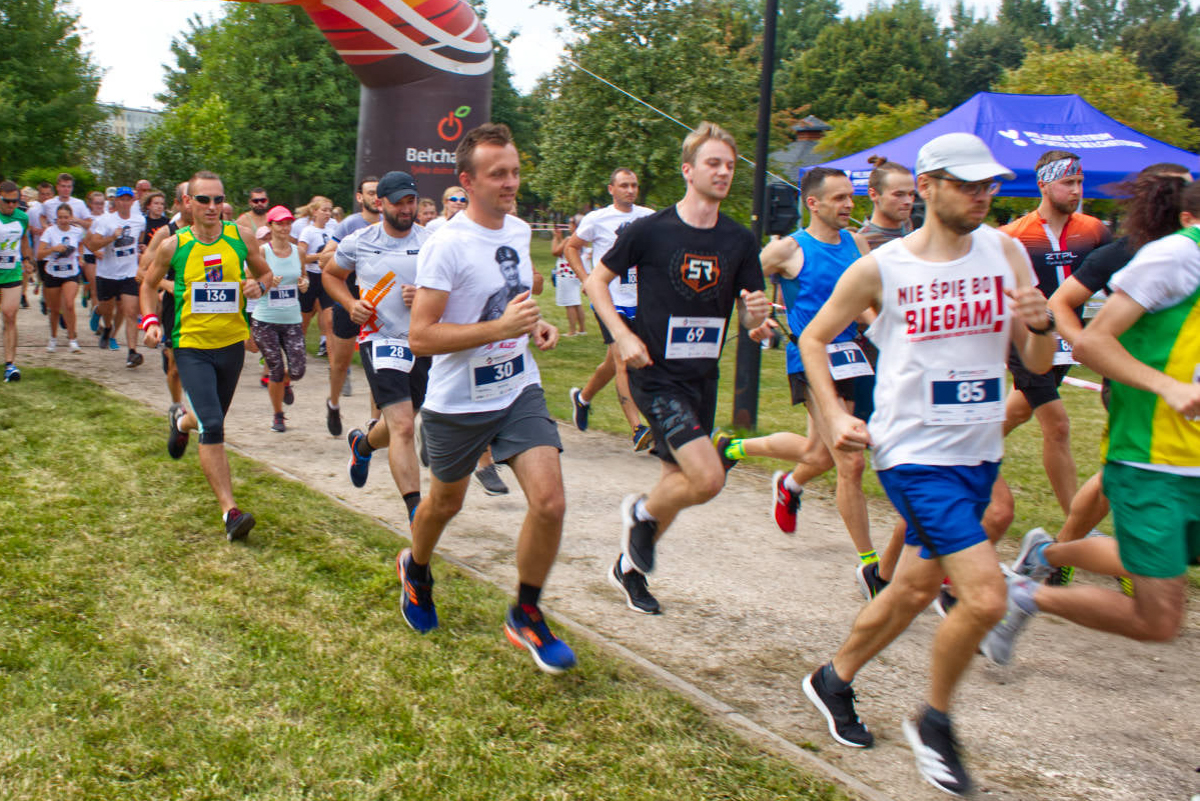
<point>700,272</point>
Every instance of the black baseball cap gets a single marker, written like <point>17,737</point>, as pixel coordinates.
<point>396,185</point>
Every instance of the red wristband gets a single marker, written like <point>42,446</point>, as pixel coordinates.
<point>149,320</point>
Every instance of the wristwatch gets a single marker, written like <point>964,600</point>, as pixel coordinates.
<point>1049,325</point>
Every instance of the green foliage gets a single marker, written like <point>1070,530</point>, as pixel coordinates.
<point>47,85</point>
<point>1099,24</point>
<point>1030,19</point>
<point>799,24</point>
<point>1108,80</point>
<point>889,55</point>
<point>981,54</point>
<point>1169,51</point>
<point>694,59</point>
<point>85,180</point>
<point>275,104</point>
<point>863,131</point>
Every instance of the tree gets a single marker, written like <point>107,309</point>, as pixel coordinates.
<point>693,59</point>
<point>981,55</point>
<point>1168,50</point>
<point>48,85</point>
<point>1111,82</point>
<point>1029,19</point>
<point>1099,23</point>
<point>190,137</point>
<point>866,130</point>
<point>799,24</point>
<point>889,55</point>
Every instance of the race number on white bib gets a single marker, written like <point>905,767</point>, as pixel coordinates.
<point>694,337</point>
<point>7,261</point>
<point>964,397</point>
<point>63,268</point>
<point>391,354</point>
<point>496,375</point>
<point>216,297</point>
<point>846,360</point>
<point>283,297</point>
<point>1063,355</point>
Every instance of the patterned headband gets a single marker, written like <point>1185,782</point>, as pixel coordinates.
<point>1063,168</point>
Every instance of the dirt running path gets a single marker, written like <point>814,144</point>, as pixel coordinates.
<point>749,611</point>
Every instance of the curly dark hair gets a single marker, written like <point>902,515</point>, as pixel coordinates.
<point>1152,208</point>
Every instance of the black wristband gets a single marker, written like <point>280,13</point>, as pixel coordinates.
<point>1050,325</point>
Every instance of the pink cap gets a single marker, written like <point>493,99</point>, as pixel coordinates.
<point>279,214</point>
<point>263,232</point>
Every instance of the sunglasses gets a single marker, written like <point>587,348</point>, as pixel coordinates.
<point>9,199</point>
<point>206,200</point>
<point>258,200</point>
<point>457,199</point>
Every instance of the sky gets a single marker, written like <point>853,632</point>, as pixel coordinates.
<point>132,55</point>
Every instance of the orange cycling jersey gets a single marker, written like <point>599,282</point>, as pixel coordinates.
<point>1055,259</point>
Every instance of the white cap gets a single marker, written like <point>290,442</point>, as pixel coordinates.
<point>963,155</point>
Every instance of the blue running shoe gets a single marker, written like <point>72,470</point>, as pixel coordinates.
<point>359,465</point>
<point>416,597</point>
<point>579,410</point>
<point>527,629</point>
<point>94,323</point>
<point>112,343</point>
<point>11,373</point>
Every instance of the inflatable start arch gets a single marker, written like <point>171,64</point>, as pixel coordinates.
<point>426,73</point>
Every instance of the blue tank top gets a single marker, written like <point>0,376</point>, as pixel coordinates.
<point>808,291</point>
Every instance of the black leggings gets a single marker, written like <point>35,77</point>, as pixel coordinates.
<point>276,340</point>
<point>209,379</point>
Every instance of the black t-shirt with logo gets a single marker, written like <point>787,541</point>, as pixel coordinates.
<point>687,279</point>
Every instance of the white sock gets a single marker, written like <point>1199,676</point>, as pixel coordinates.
<point>639,512</point>
<point>626,566</point>
<point>791,484</point>
<point>331,405</point>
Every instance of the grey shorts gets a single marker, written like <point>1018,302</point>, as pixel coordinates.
<point>455,442</point>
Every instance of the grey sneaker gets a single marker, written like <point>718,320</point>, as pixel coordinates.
<point>1000,642</point>
<point>1026,564</point>
<point>490,479</point>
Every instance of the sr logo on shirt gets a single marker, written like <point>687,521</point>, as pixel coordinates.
<point>700,272</point>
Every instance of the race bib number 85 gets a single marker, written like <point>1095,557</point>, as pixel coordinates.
<point>964,397</point>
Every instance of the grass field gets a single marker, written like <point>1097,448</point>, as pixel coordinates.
<point>143,657</point>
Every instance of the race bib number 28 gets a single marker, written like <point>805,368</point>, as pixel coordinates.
<point>391,354</point>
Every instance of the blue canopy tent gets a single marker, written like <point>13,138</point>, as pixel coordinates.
<point>1019,128</point>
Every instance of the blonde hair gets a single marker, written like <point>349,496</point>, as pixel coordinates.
<point>704,132</point>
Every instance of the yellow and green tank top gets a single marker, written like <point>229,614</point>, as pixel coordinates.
<point>1142,428</point>
<point>198,265</point>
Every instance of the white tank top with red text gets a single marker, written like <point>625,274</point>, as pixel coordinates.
<point>942,334</point>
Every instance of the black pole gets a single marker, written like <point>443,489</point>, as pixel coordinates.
<point>749,353</point>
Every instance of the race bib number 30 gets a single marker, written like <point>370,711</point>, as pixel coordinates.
<point>694,337</point>
<point>494,376</point>
<point>217,297</point>
<point>846,360</point>
<point>391,354</point>
<point>964,397</point>
<point>282,298</point>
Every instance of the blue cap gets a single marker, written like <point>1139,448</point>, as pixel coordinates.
<point>124,191</point>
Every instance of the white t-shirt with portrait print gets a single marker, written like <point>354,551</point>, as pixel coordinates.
<point>79,210</point>
<point>66,263</point>
<point>317,239</point>
<point>120,258</point>
<point>482,269</point>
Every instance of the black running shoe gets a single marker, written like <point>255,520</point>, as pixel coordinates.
<point>869,581</point>
<point>333,419</point>
<point>579,410</point>
<point>176,440</point>
<point>936,751</point>
<point>134,359</point>
<point>838,709</point>
<point>289,397</point>
<point>633,584</point>
<point>105,336</point>
<point>238,524</point>
<point>945,601</point>
<point>637,536</point>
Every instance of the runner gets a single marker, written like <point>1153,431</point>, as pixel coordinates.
<point>1146,339</point>
<point>426,211</point>
<point>181,217</point>
<point>892,191</point>
<point>1057,237</point>
<point>209,259</point>
<point>58,250</point>
<point>114,239</point>
<point>15,258</point>
<point>155,205</point>
<point>1151,212</point>
<point>256,216</point>
<point>345,332</point>
<point>567,285</point>
<point>454,200</point>
<point>599,229</point>
<point>313,239</point>
<point>484,387</point>
<point>693,263</point>
<point>807,265</point>
<point>275,321</point>
<point>384,258</point>
<point>943,331</point>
